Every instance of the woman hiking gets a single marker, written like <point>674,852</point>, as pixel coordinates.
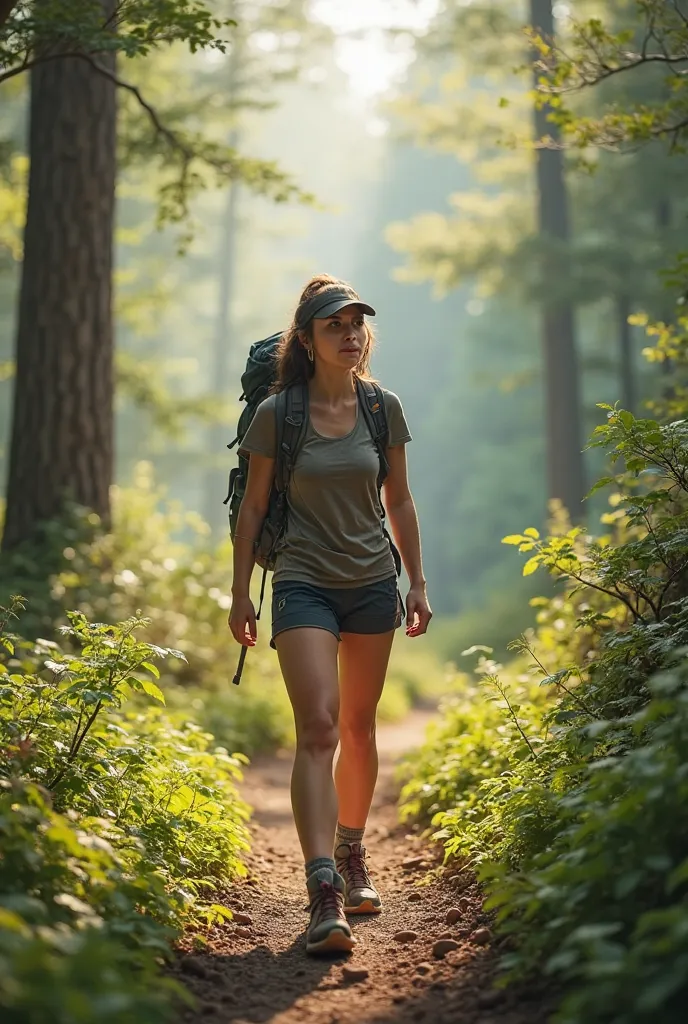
<point>335,601</point>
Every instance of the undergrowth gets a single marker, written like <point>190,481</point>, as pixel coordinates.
<point>562,775</point>
<point>117,820</point>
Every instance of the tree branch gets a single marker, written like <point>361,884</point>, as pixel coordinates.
<point>172,139</point>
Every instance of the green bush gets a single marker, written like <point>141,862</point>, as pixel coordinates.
<point>80,931</point>
<point>565,789</point>
<point>117,820</point>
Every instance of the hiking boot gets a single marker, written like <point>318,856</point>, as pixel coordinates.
<point>328,930</point>
<point>361,895</point>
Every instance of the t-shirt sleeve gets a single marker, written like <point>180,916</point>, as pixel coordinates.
<point>261,436</point>
<point>396,421</point>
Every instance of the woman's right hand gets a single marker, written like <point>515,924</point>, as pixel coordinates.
<point>242,621</point>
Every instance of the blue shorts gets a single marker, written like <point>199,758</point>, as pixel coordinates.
<point>374,608</point>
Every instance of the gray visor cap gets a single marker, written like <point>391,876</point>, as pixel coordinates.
<point>327,304</point>
<point>334,307</point>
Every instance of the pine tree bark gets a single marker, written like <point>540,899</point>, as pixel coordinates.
<point>62,423</point>
<point>565,474</point>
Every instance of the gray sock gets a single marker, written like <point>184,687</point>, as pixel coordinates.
<point>348,835</point>
<point>319,862</point>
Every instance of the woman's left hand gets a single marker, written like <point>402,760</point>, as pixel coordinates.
<point>418,611</point>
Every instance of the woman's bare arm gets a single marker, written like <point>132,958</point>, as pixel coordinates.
<point>254,505</point>
<point>403,519</point>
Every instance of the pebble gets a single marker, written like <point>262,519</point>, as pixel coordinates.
<point>453,915</point>
<point>242,918</point>
<point>405,936</point>
<point>423,968</point>
<point>445,935</point>
<point>353,974</point>
<point>414,897</point>
<point>411,862</point>
<point>464,904</point>
<point>442,947</point>
<point>481,936</point>
<point>243,933</point>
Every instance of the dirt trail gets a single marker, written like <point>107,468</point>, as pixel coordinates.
<point>259,972</point>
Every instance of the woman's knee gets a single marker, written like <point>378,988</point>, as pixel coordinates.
<point>357,730</point>
<point>318,732</point>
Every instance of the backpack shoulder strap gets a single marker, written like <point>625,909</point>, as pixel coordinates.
<point>372,403</point>
<point>291,413</point>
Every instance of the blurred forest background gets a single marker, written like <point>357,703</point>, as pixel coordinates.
<point>410,136</point>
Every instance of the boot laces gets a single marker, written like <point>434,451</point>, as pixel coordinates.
<point>325,903</point>
<point>356,867</point>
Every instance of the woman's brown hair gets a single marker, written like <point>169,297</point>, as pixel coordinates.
<point>293,364</point>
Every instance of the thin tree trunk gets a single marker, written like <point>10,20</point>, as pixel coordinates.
<point>62,425</point>
<point>215,511</point>
<point>668,310</point>
<point>626,361</point>
<point>565,475</point>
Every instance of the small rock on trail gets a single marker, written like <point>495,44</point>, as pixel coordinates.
<point>351,975</point>
<point>444,946</point>
<point>270,980</point>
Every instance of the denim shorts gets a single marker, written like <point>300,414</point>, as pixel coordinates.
<point>374,608</point>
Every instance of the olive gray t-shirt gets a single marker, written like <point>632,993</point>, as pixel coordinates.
<point>334,534</point>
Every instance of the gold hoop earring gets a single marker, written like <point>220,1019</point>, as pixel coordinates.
<point>311,356</point>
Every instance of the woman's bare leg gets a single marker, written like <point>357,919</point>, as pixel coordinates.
<point>363,660</point>
<point>308,659</point>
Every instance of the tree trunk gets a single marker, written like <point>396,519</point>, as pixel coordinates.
<point>565,475</point>
<point>626,368</point>
<point>62,425</point>
<point>667,312</point>
<point>215,511</point>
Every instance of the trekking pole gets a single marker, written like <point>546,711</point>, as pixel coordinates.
<point>240,666</point>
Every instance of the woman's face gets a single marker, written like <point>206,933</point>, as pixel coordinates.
<point>340,341</point>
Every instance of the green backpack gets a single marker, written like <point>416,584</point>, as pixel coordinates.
<point>291,410</point>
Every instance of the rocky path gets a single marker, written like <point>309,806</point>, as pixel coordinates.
<point>430,956</point>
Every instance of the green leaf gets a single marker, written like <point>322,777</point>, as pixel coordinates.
<point>152,689</point>
<point>153,669</point>
<point>531,565</point>
<point>532,532</point>
<point>602,482</point>
<point>513,538</point>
